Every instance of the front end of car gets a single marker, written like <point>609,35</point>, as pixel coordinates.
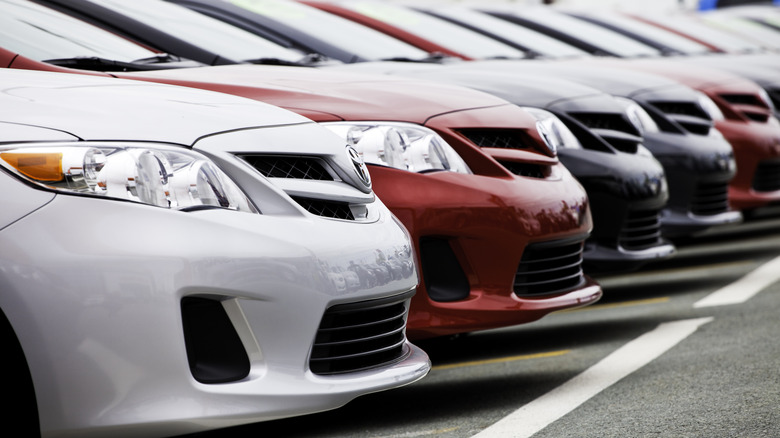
<point>496,248</point>
<point>161,288</point>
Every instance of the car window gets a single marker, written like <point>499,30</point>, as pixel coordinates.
<point>362,41</point>
<point>720,38</point>
<point>436,30</point>
<point>41,34</point>
<point>651,32</point>
<point>590,33</point>
<point>206,32</point>
<point>538,42</point>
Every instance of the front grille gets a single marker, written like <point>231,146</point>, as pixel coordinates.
<point>330,209</point>
<point>710,198</point>
<point>549,268</point>
<point>613,122</point>
<point>499,138</point>
<point>629,146</point>
<point>767,177</point>
<point>359,336</point>
<point>273,166</point>
<point>681,108</point>
<point>756,117</point>
<point>641,230</point>
<point>743,99</point>
<point>526,169</point>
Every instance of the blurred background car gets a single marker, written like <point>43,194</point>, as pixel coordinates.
<point>147,259</point>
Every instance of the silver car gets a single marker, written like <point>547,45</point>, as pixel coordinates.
<point>166,260</point>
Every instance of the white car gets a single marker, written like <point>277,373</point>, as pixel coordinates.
<point>166,259</point>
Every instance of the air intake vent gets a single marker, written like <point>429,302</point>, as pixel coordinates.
<point>710,199</point>
<point>641,230</point>
<point>359,336</point>
<point>325,208</point>
<point>272,166</point>
<point>549,268</point>
<point>526,169</point>
<point>767,177</point>
<point>681,108</point>
<point>499,138</point>
<point>612,122</point>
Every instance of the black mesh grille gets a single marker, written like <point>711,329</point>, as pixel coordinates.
<point>682,108</point>
<point>526,169</point>
<point>743,99</point>
<point>641,230</point>
<point>359,336</point>
<point>289,167</point>
<point>614,122</point>
<point>710,198</point>
<point>622,144</point>
<point>321,207</point>
<point>499,138</point>
<point>767,177</point>
<point>549,268</point>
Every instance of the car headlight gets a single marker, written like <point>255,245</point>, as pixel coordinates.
<point>764,95</point>
<point>157,175</point>
<point>638,117</point>
<point>402,146</point>
<point>553,131</point>
<point>709,106</point>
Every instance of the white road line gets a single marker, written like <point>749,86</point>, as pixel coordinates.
<point>744,288</point>
<point>548,408</point>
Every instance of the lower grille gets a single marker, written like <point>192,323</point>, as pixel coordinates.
<point>767,177</point>
<point>710,199</point>
<point>321,207</point>
<point>641,230</point>
<point>549,268</point>
<point>359,336</point>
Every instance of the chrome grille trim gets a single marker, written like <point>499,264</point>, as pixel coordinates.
<point>549,268</point>
<point>359,336</point>
<point>642,229</point>
<point>710,198</point>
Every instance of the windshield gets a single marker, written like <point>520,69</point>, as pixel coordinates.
<point>745,28</point>
<point>210,34</point>
<point>441,32</point>
<point>364,42</point>
<point>42,34</point>
<point>538,42</point>
<point>664,37</point>
<point>703,32</point>
<point>607,40</point>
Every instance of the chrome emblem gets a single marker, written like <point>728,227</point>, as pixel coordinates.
<point>360,167</point>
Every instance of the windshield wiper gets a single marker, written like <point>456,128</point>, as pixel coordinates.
<point>96,63</point>
<point>309,60</point>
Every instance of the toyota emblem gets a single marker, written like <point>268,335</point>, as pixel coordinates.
<point>360,167</point>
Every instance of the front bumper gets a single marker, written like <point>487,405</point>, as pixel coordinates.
<point>93,289</point>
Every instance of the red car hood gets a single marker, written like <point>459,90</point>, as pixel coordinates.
<point>322,95</point>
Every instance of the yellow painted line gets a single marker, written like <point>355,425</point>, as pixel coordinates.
<point>615,305</point>
<point>501,360</point>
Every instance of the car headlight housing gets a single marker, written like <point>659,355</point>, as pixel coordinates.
<point>151,174</point>
<point>402,146</point>
<point>638,117</point>
<point>709,106</point>
<point>553,131</point>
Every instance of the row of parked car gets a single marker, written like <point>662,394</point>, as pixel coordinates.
<point>380,174</point>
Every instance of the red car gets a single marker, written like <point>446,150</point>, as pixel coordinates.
<point>495,248</point>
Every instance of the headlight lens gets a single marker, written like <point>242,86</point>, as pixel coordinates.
<point>643,122</point>
<point>156,175</point>
<point>553,131</point>
<point>762,93</point>
<point>400,145</point>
